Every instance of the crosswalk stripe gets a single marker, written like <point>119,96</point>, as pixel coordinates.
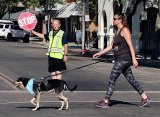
<point>117,92</point>
<point>24,102</point>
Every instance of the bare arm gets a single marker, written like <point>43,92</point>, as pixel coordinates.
<point>103,51</point>
<point>65,49</point>
<point>38,34</point>
<point>65,53</point>
<point>127,36</point>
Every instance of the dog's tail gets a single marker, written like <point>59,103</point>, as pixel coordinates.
<point>70,89</point>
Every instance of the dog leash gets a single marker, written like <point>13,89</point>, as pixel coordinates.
<point>102,60</point>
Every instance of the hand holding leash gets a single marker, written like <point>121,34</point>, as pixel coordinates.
<point>96,55</point>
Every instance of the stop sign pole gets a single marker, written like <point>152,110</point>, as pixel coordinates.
<point>27,21</point>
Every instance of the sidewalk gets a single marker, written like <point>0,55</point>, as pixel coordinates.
<point>76,49</point>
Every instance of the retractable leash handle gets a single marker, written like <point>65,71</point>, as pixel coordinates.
<point>100,60</point>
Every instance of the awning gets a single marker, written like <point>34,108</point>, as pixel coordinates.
<point>69,9</point>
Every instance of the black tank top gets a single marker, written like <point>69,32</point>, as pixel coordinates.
<point>121,48</point>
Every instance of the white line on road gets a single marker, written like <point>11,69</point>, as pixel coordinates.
<point>116,92</point>
<point>15,92</point>
<point>5,103</point>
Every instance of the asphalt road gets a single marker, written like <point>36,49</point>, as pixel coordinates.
<point>78,110</point>
<point>20,59</point>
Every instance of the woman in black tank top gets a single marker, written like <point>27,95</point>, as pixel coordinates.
<point>125,55</point>
<point>121,48</point>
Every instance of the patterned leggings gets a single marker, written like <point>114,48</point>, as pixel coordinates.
<point>118,68</point>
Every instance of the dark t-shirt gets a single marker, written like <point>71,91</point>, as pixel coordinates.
<point>64,38</point>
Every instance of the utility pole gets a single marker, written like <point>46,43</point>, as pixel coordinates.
<point>83,24</point>
<point>46,15</point>
<point>87,23</point>
<point>159,7</point>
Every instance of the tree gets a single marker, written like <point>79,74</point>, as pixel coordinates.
<point>93,10</point>
<point>43,4</point>
<point>7,5</point>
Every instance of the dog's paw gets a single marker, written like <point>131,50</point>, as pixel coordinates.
<point>63,109</point>
<point>35,109</point>
<point>60,109</point>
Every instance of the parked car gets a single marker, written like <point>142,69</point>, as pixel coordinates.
<point>11,32</point>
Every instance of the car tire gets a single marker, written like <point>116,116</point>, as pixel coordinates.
<point>26,39</point>
<point>9,37</point>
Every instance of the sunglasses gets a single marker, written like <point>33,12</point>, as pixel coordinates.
<point>116,19</point>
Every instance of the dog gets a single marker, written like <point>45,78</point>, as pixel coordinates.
<point>46,85</point>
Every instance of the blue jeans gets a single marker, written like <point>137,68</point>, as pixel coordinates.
<point>118,68</point>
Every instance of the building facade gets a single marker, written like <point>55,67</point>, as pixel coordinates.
<point>143,30</point>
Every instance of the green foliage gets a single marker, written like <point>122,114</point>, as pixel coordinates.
<point>42,3</point>
<point>34,3</point>
<point>93,6</point>
<point>93,10</point>
<point>120,1</point>
<point>6,5</point>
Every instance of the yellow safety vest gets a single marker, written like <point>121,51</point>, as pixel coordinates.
<point>55,47</point>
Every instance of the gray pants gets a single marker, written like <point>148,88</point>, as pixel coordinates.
<point>118,68</point>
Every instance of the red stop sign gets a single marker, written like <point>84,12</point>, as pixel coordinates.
<point>27,21</point>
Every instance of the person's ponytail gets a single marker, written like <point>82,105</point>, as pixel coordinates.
<point>124,20</point>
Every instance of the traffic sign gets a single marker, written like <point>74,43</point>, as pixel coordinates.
<point>27,21</point>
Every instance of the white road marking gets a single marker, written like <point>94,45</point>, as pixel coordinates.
<point>115,92</point>
<point>15,92</point>
<point>5,103</point>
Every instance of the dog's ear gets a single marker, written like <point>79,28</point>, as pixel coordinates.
<point>25,81</point>
<point>20,79</point>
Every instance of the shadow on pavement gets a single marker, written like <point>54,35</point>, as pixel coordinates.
<point>116,102</point>
<point>43,107</point>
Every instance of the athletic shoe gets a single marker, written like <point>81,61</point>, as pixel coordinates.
<point>102,104</point>
<point>144,102</point>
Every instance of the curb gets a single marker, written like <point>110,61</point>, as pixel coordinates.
<point>76,49</point>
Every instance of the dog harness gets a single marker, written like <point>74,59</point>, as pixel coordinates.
<point>35,84</point>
